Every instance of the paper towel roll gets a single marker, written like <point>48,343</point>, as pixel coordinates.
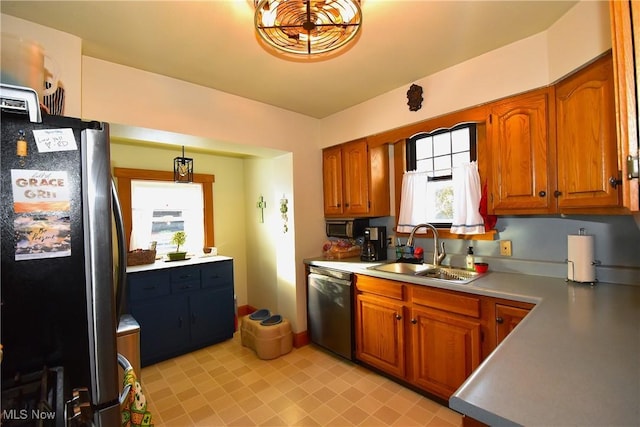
<point>581,259</point>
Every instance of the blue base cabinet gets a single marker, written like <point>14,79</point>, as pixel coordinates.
<point>182,308</point>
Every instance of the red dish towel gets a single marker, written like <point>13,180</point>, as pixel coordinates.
<point>489,220</point>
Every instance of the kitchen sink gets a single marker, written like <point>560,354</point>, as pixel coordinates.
<point>439,273</point>
<point>406,268</point>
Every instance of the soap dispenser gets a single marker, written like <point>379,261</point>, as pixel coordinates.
<point>470,261</point>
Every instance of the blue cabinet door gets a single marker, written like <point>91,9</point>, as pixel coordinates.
<point>212,316</point>
<point>164,327</point>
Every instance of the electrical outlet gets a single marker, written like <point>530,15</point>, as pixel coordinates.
<point>505,247</point>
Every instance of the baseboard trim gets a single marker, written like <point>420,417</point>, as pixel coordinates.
<point>300,339</point>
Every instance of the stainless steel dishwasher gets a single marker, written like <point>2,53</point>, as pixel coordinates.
<point>330,310</point>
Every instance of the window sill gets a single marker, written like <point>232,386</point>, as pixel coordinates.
<point>446,234</point>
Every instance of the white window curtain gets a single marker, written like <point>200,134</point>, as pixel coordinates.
<point>466,200</point>
<point>414,208</point>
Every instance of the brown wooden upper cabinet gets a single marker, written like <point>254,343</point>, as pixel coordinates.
<point>356,180</point>
<point>554,150</point>
<point>625,40</point>
<point>520,147</point>
<point>588,172</point>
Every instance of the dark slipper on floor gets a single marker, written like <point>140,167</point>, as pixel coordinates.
<point>261,314</point>
<point>273,320</point>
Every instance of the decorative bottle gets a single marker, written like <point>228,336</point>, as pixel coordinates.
<point>470,260</point>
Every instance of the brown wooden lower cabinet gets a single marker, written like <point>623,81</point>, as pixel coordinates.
<point>507,318</point>
<point>430,338</point>
<point>380,333</point>
<point>472,422</point>
<point>445,349</point>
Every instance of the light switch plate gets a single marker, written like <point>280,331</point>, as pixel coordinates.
<point>505,247</point>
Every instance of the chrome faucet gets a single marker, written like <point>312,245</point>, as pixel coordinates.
<point>438,248</point>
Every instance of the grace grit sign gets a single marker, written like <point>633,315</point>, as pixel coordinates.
<point>41,204</point>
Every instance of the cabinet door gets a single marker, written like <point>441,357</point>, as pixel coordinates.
<point>625,39</point>
<point>355,165</point>
<point>380,333</point>
<point>164,327</point>
<point>212,316</point>
<point>586,138</point>
<point>507,318</point>
<point>445,349</point>
<point>332,180</point>
<point>521,151</point>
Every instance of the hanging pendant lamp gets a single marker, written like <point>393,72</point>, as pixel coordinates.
<point>183,168</point>
<point>307,27</point>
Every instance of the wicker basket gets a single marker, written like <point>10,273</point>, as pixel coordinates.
<point>339,253</point>
<point>141,256</point>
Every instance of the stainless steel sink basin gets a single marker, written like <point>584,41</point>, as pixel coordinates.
<point>439,273</point>
<point>406,268</point>
<point>453,275</point>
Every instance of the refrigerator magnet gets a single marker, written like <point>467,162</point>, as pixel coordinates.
<point>41,203</point>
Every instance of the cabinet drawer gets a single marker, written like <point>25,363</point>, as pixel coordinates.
<point>187,286</point>
<point>148,285</point>
<point>382,287</point>
<point>452,302</point>
<point>185,274</point>
<point>217,275</point>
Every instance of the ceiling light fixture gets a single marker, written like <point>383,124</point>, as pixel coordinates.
<point>307,27</point>
<point>183,168</point>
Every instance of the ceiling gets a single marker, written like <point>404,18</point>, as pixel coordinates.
<point>212,43</point>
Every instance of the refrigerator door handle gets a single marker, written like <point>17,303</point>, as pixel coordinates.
<point>125,365</point>
<point>96,190</point>
<point>121,279</point>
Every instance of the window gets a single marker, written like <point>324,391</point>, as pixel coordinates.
<point>126,178</point>
<point>436,154</point>
<point>159,209</point>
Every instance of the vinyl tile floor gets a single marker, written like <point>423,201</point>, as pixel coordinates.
<point>228,385</point>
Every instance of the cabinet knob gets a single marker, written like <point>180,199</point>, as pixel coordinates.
<point>499,319</point>
<point>414,321</point>
<point>180,322</point>
<point>346,205</point>
<point>557,193</point>
<point>398,317</point>
<point>614,182</point>
<point>542,193</point>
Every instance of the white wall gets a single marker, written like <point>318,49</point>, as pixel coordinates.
<point>262,274</point>
<point>580,35</point>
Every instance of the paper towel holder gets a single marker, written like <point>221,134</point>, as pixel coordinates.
<point>592,283</point>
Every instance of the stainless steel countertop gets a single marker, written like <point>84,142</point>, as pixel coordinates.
<point>574,360</point>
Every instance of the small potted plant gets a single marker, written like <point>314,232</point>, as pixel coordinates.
<point>178,238</point>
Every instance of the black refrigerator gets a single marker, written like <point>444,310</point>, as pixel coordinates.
<point>60,268</point>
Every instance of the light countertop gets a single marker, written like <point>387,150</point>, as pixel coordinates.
<point>162,264</point>
<point>574,360</point>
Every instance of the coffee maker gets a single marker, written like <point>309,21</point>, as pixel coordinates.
<point>374,247</point>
